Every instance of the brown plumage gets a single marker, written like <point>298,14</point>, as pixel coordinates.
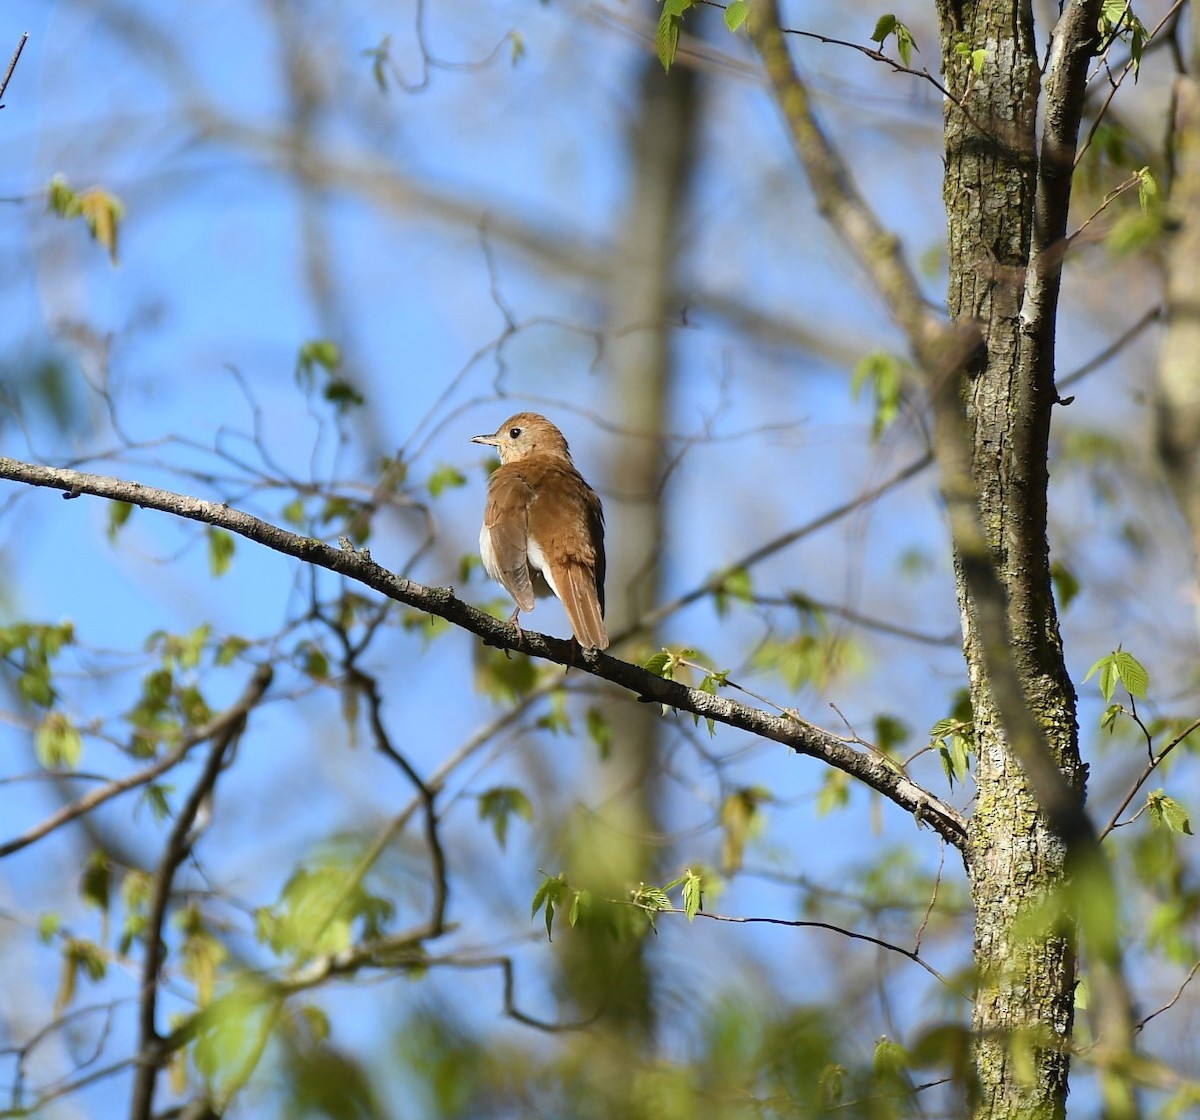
<point>543,528</point>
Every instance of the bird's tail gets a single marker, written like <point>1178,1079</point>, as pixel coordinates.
<point>577,590</point>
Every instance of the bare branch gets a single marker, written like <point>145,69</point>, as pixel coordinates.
<point>652,618</point>
<point>1174,999</point>
<point>232,716</point>
<point>837,195</point>
<point>12,66</point>
<point>802,923</point>
<point>369,687</point>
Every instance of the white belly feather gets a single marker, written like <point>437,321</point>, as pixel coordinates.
<point>537,561</point>
<point>488,555</point>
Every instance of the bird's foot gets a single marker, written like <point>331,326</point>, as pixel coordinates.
<point>516,623</point>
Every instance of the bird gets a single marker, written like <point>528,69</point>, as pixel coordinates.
<point>543,526</point>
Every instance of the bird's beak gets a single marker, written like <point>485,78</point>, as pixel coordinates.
<point>491,441</point>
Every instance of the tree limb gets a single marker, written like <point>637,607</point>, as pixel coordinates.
<point>179,844</point>
<point>801,736</point>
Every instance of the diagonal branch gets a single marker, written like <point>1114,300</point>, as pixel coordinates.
<point>837,195</point>
<point>798,734</point>
<point>12,66</point>
<point>219,725</point>
<point>716,581</point>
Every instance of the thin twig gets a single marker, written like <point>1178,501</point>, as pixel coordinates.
<point>1174,999</point>
<point>12,66</point>
<point>1153,315</point>
<point>1151,766</point>
<point>652,619</point>
<point>802,923</point>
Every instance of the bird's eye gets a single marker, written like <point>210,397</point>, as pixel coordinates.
<point>513,433</point>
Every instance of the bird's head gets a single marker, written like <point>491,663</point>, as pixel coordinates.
<point>525,434</point>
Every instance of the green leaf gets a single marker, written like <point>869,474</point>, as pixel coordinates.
<point>550,895</point>
<point>884,26</point>
<point>658,663</point>
<point>220,551</point>
<point>61,199</point>
<point>293,513</point>
<point>312,660</point>
<point>736,13</point>
<point>891,1062</point>
<point>693,894</point>
<point>1065,583</point>
<point>709,686</point>
<point>1166,812</point>
<point>1132,673</point>
<point>1134,231</point>
<point>118,514</point>
<point>1120,666</point>
<point>667,39</point>
<point>95,884</point>
<point>499,804</point>
<point>740,821</point>
<point>187,649</point>
<point>101,211</point>
<point>319,352</point>
<point>1108,676</point>
<point>890,733</point>
<point>834,792</point>
<point>884,374</point>
<point>232,1030</point>
<point>599,730</point>
<point>155,796</point>
<point>581,904</point>
<point>955,739</point>
<point>342,395</point>
<point>831,1084</point>
<point>57,742</point>
<point>557,718</point>
<point>445,477</point>
<point>1147,188</point>
<point>317,912</point>
<point>79,956</point>
<point>228,650</point>
<point>102,214</point>
<point>736,585</point>
<point>889,25</point>
<point>35,687</point>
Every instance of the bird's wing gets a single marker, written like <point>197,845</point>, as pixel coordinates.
<point>569,535</point>
<point>505,523</point>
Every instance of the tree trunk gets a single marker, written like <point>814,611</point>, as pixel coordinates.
<point>1179,365</point>
<point>610,849</point>
<point>1026,979</point>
